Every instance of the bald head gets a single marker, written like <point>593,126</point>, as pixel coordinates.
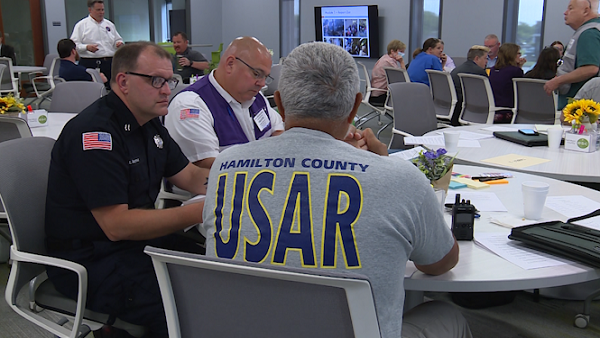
<point>243,68</point>
<point>580,11</point>
<point>247,46</point>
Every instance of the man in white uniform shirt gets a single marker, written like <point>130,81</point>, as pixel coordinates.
<point>226,107</point>
<point>96,39</point>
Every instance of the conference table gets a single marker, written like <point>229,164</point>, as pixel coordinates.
<point>56,122</point>
<point>480,270</point>
<point>563,165</point>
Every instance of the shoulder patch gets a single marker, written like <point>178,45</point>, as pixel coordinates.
<point>189,114</point>
<point>97,140</point>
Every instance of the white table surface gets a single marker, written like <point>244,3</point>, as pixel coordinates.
<point>564,164</point>
<point>481,270</point>
<point>28,69</point>
<point>56,122</point>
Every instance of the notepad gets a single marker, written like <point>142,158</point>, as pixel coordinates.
<point>456,185</point>
<point>470,183</point>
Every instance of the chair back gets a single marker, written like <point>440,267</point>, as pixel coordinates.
<point>75,96</point>
<point>443,93</point>
<point>532,104</point>
<point>272,87</point>
<point>180,86</point>
<point>3,69</point>
<point>23,184</point>
<point>459,60</point>
<point>478,99</point>
<point>263,299</point>
<point>394,75</point>
<point>95,74</point>
<point>8,81</point>
<point>49,61</point>
<point>367,88</point>
<point>414,113</point>
<point>12,128</point>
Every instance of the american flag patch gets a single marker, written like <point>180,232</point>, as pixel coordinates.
<point>97,140</point>
<point>189,114</point>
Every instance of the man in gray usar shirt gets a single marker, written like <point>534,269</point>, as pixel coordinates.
<point>307,199</point>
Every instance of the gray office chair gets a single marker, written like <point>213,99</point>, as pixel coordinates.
<point>178,77</point>
<point>414,112</point>
<point>532,104</point>
<point>75,96</point>
<point>8,82</point>
<point>374,111</point>
<point>443,93</point>
<point>394,75</point>
<point>272,87</point>
<point>260,299</point>
<point>95,74</point>
<point>180,86</point>
<point>478,100</point>
<point>459,60</point>
<point>10,128</point>
<point>23,184</point>
<point>44,83</point>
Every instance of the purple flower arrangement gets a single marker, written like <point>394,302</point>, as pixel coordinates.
<point>434,164</point>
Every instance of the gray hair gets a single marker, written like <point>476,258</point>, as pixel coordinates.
<point>319,80</point>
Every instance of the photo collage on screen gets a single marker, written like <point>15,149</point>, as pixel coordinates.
<point>349,33</point>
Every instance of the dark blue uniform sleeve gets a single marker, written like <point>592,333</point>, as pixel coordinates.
<point>100,176</point>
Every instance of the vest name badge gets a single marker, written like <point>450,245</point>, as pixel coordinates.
<point>261,119</point>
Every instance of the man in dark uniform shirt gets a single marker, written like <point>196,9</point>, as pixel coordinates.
<point>105,175</point>
<point>69,70</point>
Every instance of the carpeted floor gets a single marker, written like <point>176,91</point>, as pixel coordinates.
<point>527,318</point>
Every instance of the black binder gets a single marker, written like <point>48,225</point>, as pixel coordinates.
<point>568,240</point>
<point>526,140</point>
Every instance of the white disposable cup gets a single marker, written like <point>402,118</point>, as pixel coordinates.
<point>451,141</point>
<point>554,137</point>
<point>534,198</point>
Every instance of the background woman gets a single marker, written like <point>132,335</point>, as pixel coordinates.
<point>394,56</point>
<point>558,45</point>
<point>431,56</point>
<point>507,68</point>
<point>546,65</point>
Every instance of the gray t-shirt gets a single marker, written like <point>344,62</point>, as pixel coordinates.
<point>305,199</point>
<point>191,55</point>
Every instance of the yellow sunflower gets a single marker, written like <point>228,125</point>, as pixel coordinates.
<point>577,110</point>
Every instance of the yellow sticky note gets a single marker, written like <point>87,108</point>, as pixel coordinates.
<point>470,183</point>
<point>516,161</point>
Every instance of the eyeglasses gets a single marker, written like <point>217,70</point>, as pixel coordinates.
<point>158,81</point>
<point>257,74</point>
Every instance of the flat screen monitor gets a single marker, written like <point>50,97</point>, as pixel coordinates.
<point>354,28</point>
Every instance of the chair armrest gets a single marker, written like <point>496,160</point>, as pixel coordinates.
<point>34,75</point>
<point>400,132</point>
<point>79,269</point>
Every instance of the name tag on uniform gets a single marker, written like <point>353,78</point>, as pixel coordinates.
<point>261,119</point>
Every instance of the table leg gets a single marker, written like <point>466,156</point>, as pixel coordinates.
<point>412,299</point>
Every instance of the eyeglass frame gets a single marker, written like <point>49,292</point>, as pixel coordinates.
<point>257,74</point>
<point>153,79</point>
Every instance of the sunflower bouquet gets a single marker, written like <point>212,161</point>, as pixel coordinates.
<point>11,104</point>
<point>582,112</point>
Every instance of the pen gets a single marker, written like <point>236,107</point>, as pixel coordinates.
<point>581,129</point>
<point>487,179</point>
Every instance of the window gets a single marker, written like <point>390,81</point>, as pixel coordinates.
<point>431,19</point>
<point>425,22</point>
<point>529,30</point>
<point>289,26</point>
<point>132,19</point>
